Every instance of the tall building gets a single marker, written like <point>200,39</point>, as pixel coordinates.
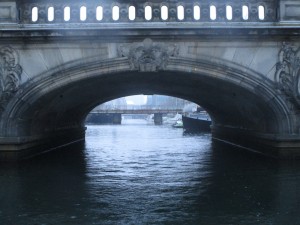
<point>157,100</point>
<point>115,102</point>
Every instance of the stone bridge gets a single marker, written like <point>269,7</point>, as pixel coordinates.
<point>238,59</point>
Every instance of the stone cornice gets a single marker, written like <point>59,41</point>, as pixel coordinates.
<point>218,31</point>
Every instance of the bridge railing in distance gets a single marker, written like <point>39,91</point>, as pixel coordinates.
<point>127,11</point>
<point>136,108</point>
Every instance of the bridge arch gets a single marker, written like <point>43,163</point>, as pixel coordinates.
<point>59,100</point>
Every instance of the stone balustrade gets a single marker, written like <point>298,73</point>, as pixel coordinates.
<point>57,12</point>
<point>31,12</point>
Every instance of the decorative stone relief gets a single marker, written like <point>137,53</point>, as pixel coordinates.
<point>148,56</point>
<point>287,74</point>
<point>10,74</point>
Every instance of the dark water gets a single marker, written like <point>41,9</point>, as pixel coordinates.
<point>145,174</point>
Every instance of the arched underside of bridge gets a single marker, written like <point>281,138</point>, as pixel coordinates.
<point>50,110</point>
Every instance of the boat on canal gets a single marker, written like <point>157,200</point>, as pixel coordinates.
<point>197,122</point>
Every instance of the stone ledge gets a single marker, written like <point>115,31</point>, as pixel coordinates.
<point>26,149</point>
<point>115,33</point>
<point>275,146</point>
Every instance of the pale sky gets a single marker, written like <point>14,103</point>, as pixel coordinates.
<point>136,99</point>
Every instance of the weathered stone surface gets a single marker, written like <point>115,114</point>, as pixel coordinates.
<point>8,12</point>
<point>148,56</point>
<point>10,75</point>
<point>288,71</point>
<point>289,10</point>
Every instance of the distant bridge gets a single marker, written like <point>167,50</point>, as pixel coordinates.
<point>115,117</point>
<point>137,109</point>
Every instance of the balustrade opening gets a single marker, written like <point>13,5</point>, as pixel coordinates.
<point>50,14</point>
<point>213,12</point>
<point>229,12</point>
<point>148,12</point>
<point>99,13</point>
<point>164,12</point>
<point>131,13</point>
<point>67,13</point>
<point>197,12</point>
<point>115,13</point>
<point>83,13</point>
<point>180,12</point>
<point>34,13</point>
<point>261,12</point>
<point>245,12</point>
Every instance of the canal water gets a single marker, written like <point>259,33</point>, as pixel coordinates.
<point>146,174</point>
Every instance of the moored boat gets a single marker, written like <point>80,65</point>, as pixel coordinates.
<point>196,122</point>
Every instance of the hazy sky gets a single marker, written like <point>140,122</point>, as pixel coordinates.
<point>136,99</point>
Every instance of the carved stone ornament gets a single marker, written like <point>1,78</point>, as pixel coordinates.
<point>10,74</point>
<point>148,56</point>
<point>287,74</point>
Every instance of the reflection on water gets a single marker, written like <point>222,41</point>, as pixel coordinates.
<point>146,174</point>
